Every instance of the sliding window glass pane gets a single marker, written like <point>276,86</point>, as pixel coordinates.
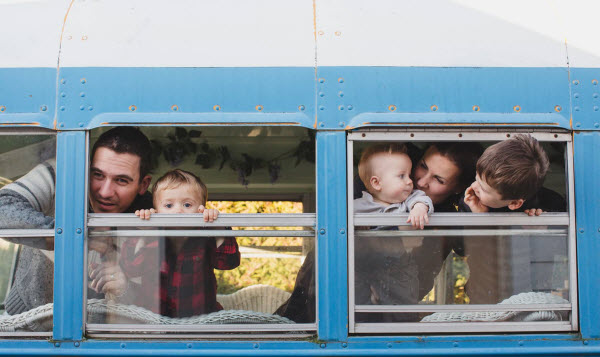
<point>27,186</point>
<point>460,266</point>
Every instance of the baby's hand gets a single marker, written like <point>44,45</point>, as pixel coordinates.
<point>210,214</point>
<point>534,211</point>
<point>418,215</point>
<point>473,201</point>
<point>145,213</point>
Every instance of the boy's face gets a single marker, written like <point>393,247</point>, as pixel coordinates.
<point>182,199</point>
<point>391,180</point>
<point>491,197</point>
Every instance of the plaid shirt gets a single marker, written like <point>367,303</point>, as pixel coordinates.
<point>178,284</point>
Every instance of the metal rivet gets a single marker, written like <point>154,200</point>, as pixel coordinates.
<point>576,95</point>
<point>2,108</point>
<point>321,80</point>
<point>581,230</point>
<point>44,108</point>
<point>63,81</point>
<point>389,345</point>
<point>217,107</point>
<point>596,125</point>
<point>123,345</point>
<point>341,124</point>
<point>341,107</point>
<point>56,344</point>
<point>341,94</point>
<point>69,37</point>
<point>392,108</point>
<point>321,33</point>
<point>301,107</point>
<point>259,108</point>
<point>322,231</point>
<point>81,125</point>
<point>83,81</point>
<point>321,124</point>
<point>62,125</point>
<point>82,94</point>
<point>517,108</point>
<point>578,124</point>
<point>350,107</point>
<point>460,135</point>
<point>337,33</point>
<point>174,108</point>
<point>321,108</point>
<point>455,344</point>
<point>594,81</point>
<point>76,344</point>
<point>340,80</point>
<point>344,345</point>
<point>189,345</point>
<point>576,109</point>
<point>82,107</point>
<point>78,231</point>
<point>62,109</point>
<point>595,95</point>
<point>63,94</point>
<point>475,108</point>
<point>508,135</point>
<point>364,135</point>
<point>556,135</point>
<point>520,343</point>
<point>90,108</point>
<point>585,342</point>
<point>576,82</point>
<point>434,108</point>
<point>59,231</point>
<point>342,231</point>
<point>557,108</point>
<point>321,94</point>
<point>595,108</point>
<point>132,108</point>
<point>323,345</point>
<point>412,135</point>
<point>255,345</point>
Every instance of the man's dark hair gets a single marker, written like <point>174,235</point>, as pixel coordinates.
<point>130,140</point>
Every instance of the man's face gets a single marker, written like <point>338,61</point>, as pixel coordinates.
<point>115,181</point>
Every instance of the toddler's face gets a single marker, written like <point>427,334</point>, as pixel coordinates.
<point>488,195</point>
<point>393,171</point>
<point>183,199</point>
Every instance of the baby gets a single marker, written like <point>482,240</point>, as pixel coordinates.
<point>385,271</point>
<point>186,283</point>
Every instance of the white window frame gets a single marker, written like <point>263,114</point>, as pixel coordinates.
<point>450,219</point>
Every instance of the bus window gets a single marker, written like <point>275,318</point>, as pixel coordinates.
<point>473,272</point>
<point>200,276</point>
<point>27,185</point>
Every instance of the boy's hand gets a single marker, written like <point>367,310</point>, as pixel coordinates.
<point>473,201</point>
<point>210,214</point>
<point>145,213</point>
<point>418,215</point>
<point>534,211</point>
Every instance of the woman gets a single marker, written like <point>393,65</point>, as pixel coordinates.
<point>443,172</point>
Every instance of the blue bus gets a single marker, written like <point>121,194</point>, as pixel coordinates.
<point>272,104</point>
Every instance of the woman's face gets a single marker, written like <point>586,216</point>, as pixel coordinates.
<point>436,175</point>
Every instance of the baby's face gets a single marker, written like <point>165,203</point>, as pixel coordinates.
<point>393,171</point>
<point>183,199</point>
<point>487,194</point>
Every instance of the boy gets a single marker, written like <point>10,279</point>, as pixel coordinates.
<point>509,173</point>
<point>177,277</point>
<point>385,272</point>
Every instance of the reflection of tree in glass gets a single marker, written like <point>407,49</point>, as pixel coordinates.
<point>278,272</point>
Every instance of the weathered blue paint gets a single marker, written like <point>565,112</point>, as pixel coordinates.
<point>27,96</point>
<point>332,241</point>
<point>69,235</point>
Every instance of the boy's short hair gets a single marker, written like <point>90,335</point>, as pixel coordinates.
<point>175,178</point>
<point>516,167</point>
<point>365,169</point>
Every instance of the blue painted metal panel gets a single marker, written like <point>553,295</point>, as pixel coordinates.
<point>69,235</point>
<point>27,96</point>
<point>87,92</point>
<point>585,94</point>
<point>587,193</point>
<point>463,95</point>
<point>332,244</point>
